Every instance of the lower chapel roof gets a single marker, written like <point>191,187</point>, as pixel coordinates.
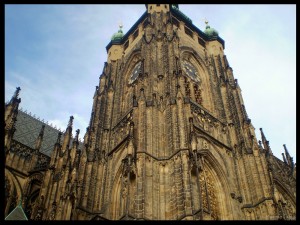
<point>27,131</point>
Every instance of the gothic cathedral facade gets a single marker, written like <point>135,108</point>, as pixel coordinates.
<point>168,139</point>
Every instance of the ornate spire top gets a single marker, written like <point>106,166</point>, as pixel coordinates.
<point>289,159</point>
<point>259,144</point>
<point>286,151</point>
<point>206,22</point>
<point>39,140</point>
<point>265,142</point>
<point>119,35</point>
<point>70,124</point>
<point>96,91</point>
<point>58,137</point>
<point>263,138</point>
<point>77,135</point>
<point>210,32</point>
<point>16,94</point>
<point>86,135</point>
<point>68,135</point>
<point>284,159</point>
<point>120,25</point>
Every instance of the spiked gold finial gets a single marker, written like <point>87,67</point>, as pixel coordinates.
<point>120,25</point>
<point>206,22</point>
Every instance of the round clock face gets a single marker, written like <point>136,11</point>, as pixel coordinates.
<point>190,70</point>
<point>135,72</point>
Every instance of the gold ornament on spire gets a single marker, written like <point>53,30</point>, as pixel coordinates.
<point>205,21</point>
<point>120,25</point>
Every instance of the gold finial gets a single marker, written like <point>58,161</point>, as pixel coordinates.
<point>205,21</point>
<point>120,25</point>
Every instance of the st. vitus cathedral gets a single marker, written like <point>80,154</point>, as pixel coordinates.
<point>168,139</point>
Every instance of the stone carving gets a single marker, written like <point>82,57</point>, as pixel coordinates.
<point>52,212</point>
<point>22,150</point>
<point>39,214</point>
<point>121,129</point>
<point>205,145</point>
<point>198,96</point>
<point>162,175</point>
<point>42,163</point>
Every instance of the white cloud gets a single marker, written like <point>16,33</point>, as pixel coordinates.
<point>58,124</point>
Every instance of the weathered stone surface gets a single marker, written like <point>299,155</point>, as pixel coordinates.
<point>166,141</point>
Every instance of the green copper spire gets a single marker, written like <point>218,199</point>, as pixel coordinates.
<point>119,35</point>
<point>211,32</point>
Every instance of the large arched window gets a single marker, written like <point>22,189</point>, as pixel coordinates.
<point>197,82</point>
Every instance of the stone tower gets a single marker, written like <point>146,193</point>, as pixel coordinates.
<point>169,137</point>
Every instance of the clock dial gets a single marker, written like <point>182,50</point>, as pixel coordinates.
<point>135,72</point>
<point>190,70</point>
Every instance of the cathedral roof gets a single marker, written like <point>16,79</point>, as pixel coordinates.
<point>210,34</point>
<point>176,9</point>
<point>28,129</point>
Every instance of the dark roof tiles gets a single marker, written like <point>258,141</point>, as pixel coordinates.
<point>28,129</point>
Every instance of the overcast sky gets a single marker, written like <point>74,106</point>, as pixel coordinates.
<point>56,53</point>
